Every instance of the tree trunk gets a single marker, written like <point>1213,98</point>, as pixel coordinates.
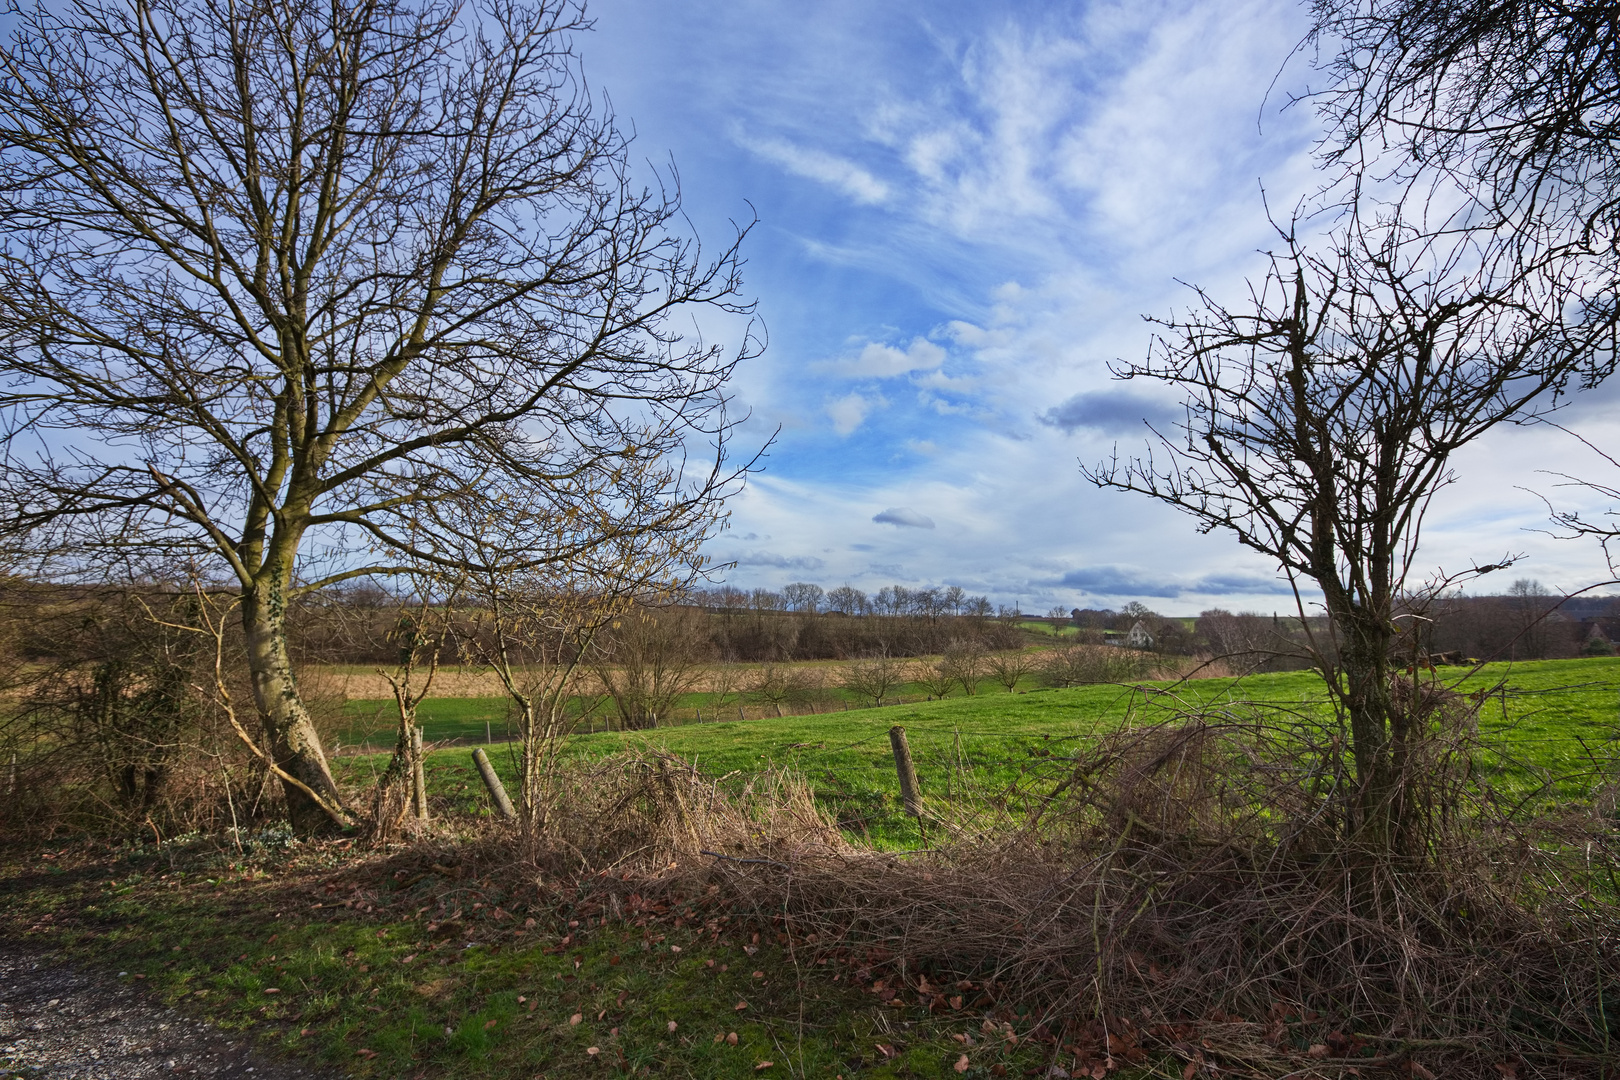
<point>289,732</point>
<point>1366,672</point>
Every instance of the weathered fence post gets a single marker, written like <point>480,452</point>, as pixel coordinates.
<point>418,775</point>
<point>497,791</point>
<point>909,796</point>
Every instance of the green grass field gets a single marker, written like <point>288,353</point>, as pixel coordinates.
<point>1548,727</point>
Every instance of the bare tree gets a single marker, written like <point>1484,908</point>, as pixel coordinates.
<point>421,629</point>
<point>938,678</point>
<point>649,659</point>
<point>848,600</point>
<point>872,679</point>
<point>1322,416</point>
<point>803,596</point>
<point>545,587</point>
<point>968,663</point>
<point>778,685</point>
<point>1009,668</point>
<point>1516,101</point>
<point>279,278</point>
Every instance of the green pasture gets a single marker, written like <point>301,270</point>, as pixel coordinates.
<point>1550,726</point>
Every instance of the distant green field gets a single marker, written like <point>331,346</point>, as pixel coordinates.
<point>1553,721</point>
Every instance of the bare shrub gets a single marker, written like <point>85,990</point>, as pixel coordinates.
<point>113,724</point>
<point>639,811</point>
<point>650,659</point>
<point>873,679</point>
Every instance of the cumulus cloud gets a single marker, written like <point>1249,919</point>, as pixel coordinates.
<point>850,411</point>
<point>824,168</point>
<point>878,361</point>
<point>1112,412</point>
<point>904,516</point>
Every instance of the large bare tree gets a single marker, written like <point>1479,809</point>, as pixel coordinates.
<point>1321,418</point>
<point>279,275</point>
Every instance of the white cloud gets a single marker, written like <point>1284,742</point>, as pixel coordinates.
<point>879,361</point>
<point>850,411</point>
<point>823,167</point>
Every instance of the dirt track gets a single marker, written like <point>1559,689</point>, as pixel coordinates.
<point>59,1021</point>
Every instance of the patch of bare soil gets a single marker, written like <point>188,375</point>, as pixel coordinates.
<point>61,1021</point>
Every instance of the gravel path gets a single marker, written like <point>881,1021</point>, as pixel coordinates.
<point>59,1021</point>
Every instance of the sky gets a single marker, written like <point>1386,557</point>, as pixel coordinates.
<point>964,210</point>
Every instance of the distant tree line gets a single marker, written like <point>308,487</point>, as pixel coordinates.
<point>932,602</point>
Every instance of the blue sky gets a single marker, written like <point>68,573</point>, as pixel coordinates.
<point>964,211</point>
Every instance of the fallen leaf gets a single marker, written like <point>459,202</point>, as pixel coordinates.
<point>1317,1050</point>
<point>720,1038</point>
<point>532,1005</point>
<point>674,948</point>
<point>750,949</point>
<point>521,999</point>
<point>305,1031</point>
<point>961,1064</point>
<point>886,1050</point>
<point>272,990</point>
<point>1187,1073</point>
<point>576,1018</point>
<point>759,974</point>
<point>1421,1073</point>
<point>956,1002</point>
<point>763,1065</point>
<point>732,1038</point>
<point>740,1006</point>
<point>593,1050</point>
<point>673,1025</point>
<point>998,1070</point>
<point>490,1023</point>
<point>367,1054</point>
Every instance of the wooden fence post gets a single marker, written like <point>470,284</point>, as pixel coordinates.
<point>418,775</point>
<point>909,795</point>
<point>497,790</point>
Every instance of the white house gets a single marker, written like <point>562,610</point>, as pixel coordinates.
<point>1139,638</point>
